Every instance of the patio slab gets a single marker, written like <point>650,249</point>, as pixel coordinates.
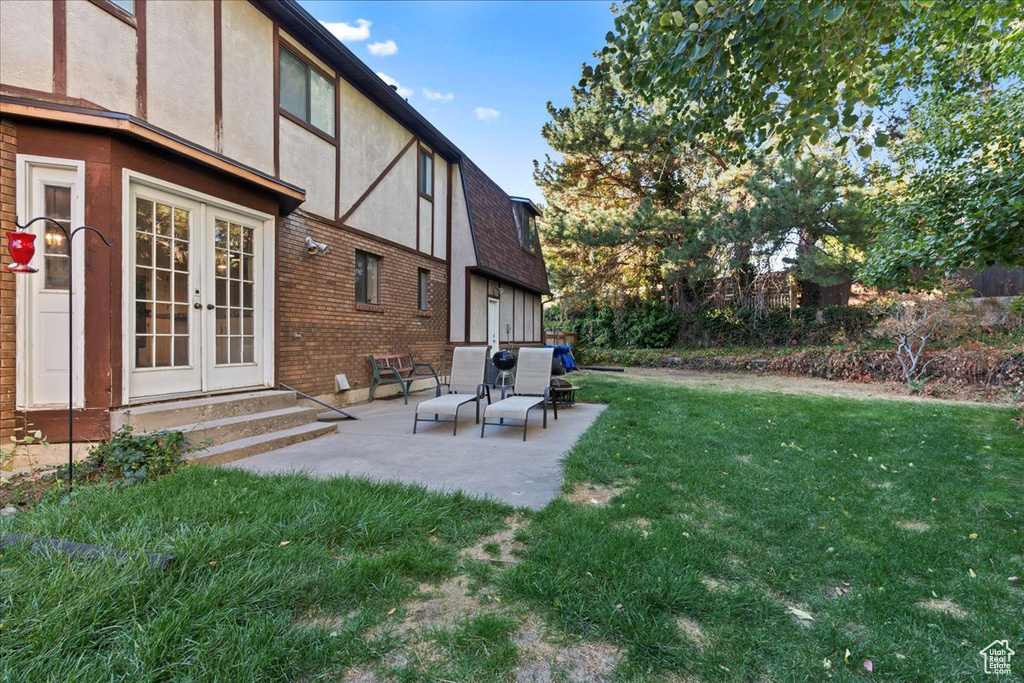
<point>381,445</point>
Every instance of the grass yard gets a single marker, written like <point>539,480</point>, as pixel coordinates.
<point>704,536</point>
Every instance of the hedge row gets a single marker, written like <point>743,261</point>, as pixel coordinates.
<point>953,367</point>
<point>649,325</point>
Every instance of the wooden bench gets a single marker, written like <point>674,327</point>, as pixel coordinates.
<point>400,369</point>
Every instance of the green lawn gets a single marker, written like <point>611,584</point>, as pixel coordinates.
<point>730,509</point>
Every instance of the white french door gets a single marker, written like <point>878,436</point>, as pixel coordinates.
<point>196,314</point>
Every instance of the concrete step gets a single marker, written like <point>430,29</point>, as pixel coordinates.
<point>227,429</point>
<point>254,445</point>
<point>173,414</point>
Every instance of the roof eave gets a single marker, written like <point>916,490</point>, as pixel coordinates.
<point>301,23</point>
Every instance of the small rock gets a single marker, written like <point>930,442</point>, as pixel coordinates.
<point>8,511</point>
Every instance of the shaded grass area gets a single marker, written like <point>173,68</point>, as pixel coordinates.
<point>739,506</point>
<point>258,561</point>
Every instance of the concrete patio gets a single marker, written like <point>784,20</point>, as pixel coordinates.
<point>381,445</point>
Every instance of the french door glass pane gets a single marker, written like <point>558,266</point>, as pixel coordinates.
<point>162,317</point>
<point>234,279</point>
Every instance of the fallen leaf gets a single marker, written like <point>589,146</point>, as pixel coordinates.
<point>392,611</point>
<point>284,543</point>
<point>846,657</point>
<point>869,666</point>
<point>800,614</point>
<point>973,536</point>
<point>971,572</point>
<point>213,563</point>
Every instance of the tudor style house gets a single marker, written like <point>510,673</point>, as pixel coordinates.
<point>220,144</point>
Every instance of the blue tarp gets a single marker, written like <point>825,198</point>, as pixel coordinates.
<point>564,352</point>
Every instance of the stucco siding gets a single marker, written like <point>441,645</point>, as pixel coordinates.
<point>440,247</point>
<point>538,311</point>
<point>462,256</point>
<point>180,63</point>
<point>426,209</point>
<point>101,56</point>
<point>505,314</point>
<point>369,140</point>
<point>308,161</point>
<point>26,45</point>
<point>247,58</point>
<point>477,309</point>
<point>518,325</point>
<point>390,210</point>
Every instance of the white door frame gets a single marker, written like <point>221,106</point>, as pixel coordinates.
<point>265,220</point>
<point>24,163</point>
<point>495,324</point>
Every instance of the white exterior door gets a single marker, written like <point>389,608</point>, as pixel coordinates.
<point>166,265</point>
<point>234,313</point>
<point>493,324</point>
<point>50,188</point>
<point>197,313</point>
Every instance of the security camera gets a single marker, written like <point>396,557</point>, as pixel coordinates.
<point>313,247</point>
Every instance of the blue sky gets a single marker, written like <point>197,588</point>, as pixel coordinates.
<point>505,57</point>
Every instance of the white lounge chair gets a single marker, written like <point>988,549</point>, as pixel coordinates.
<point>531,390</point>
<point>465,386</point>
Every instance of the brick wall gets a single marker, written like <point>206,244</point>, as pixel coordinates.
<point>8,351</point>
<point>321,332</point>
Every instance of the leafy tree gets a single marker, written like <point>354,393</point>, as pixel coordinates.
<point>953,193</point>
<point>766,75</point>
<point>747,72</point>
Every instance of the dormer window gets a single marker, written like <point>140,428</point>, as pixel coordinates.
<point>526,222</point>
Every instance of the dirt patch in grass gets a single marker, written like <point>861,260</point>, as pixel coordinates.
<point>500,547</point>
<point>693,632</point>
<point>908,525</point>
<point>332,623</point>
<point>545,661</point>
<point>945,606</point>
<point>593,494</point>
<point>718,585</point>
<point>442,607</point>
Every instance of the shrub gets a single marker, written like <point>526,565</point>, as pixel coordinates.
<point>1016,308</point>
<point>132,458</point>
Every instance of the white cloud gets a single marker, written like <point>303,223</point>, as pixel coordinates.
<point>404,92</point>
<point>346,32</point>
<point>486,113</point>
<point>384,49</point>
<point>437,95</point>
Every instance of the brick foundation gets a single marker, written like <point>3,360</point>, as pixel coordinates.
<point>8,348</point>
<point>321,331</point>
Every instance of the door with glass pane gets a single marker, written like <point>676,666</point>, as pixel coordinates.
<point>53,192</point>
<point>233,309</point>
<point>165,246</point>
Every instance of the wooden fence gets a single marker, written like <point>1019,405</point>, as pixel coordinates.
<point>996,281</point>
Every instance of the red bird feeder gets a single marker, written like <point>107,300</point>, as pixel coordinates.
<point>22,248</point>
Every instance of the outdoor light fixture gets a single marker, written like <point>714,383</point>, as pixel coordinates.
<point>21,245</point>
<point>313,247</point>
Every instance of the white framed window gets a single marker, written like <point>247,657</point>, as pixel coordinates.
<point>425,174</point>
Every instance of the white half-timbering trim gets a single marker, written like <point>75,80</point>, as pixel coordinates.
<point>130,179</point>
<point>24,164</point>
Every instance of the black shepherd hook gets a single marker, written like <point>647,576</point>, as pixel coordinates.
<point>71,329</point>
